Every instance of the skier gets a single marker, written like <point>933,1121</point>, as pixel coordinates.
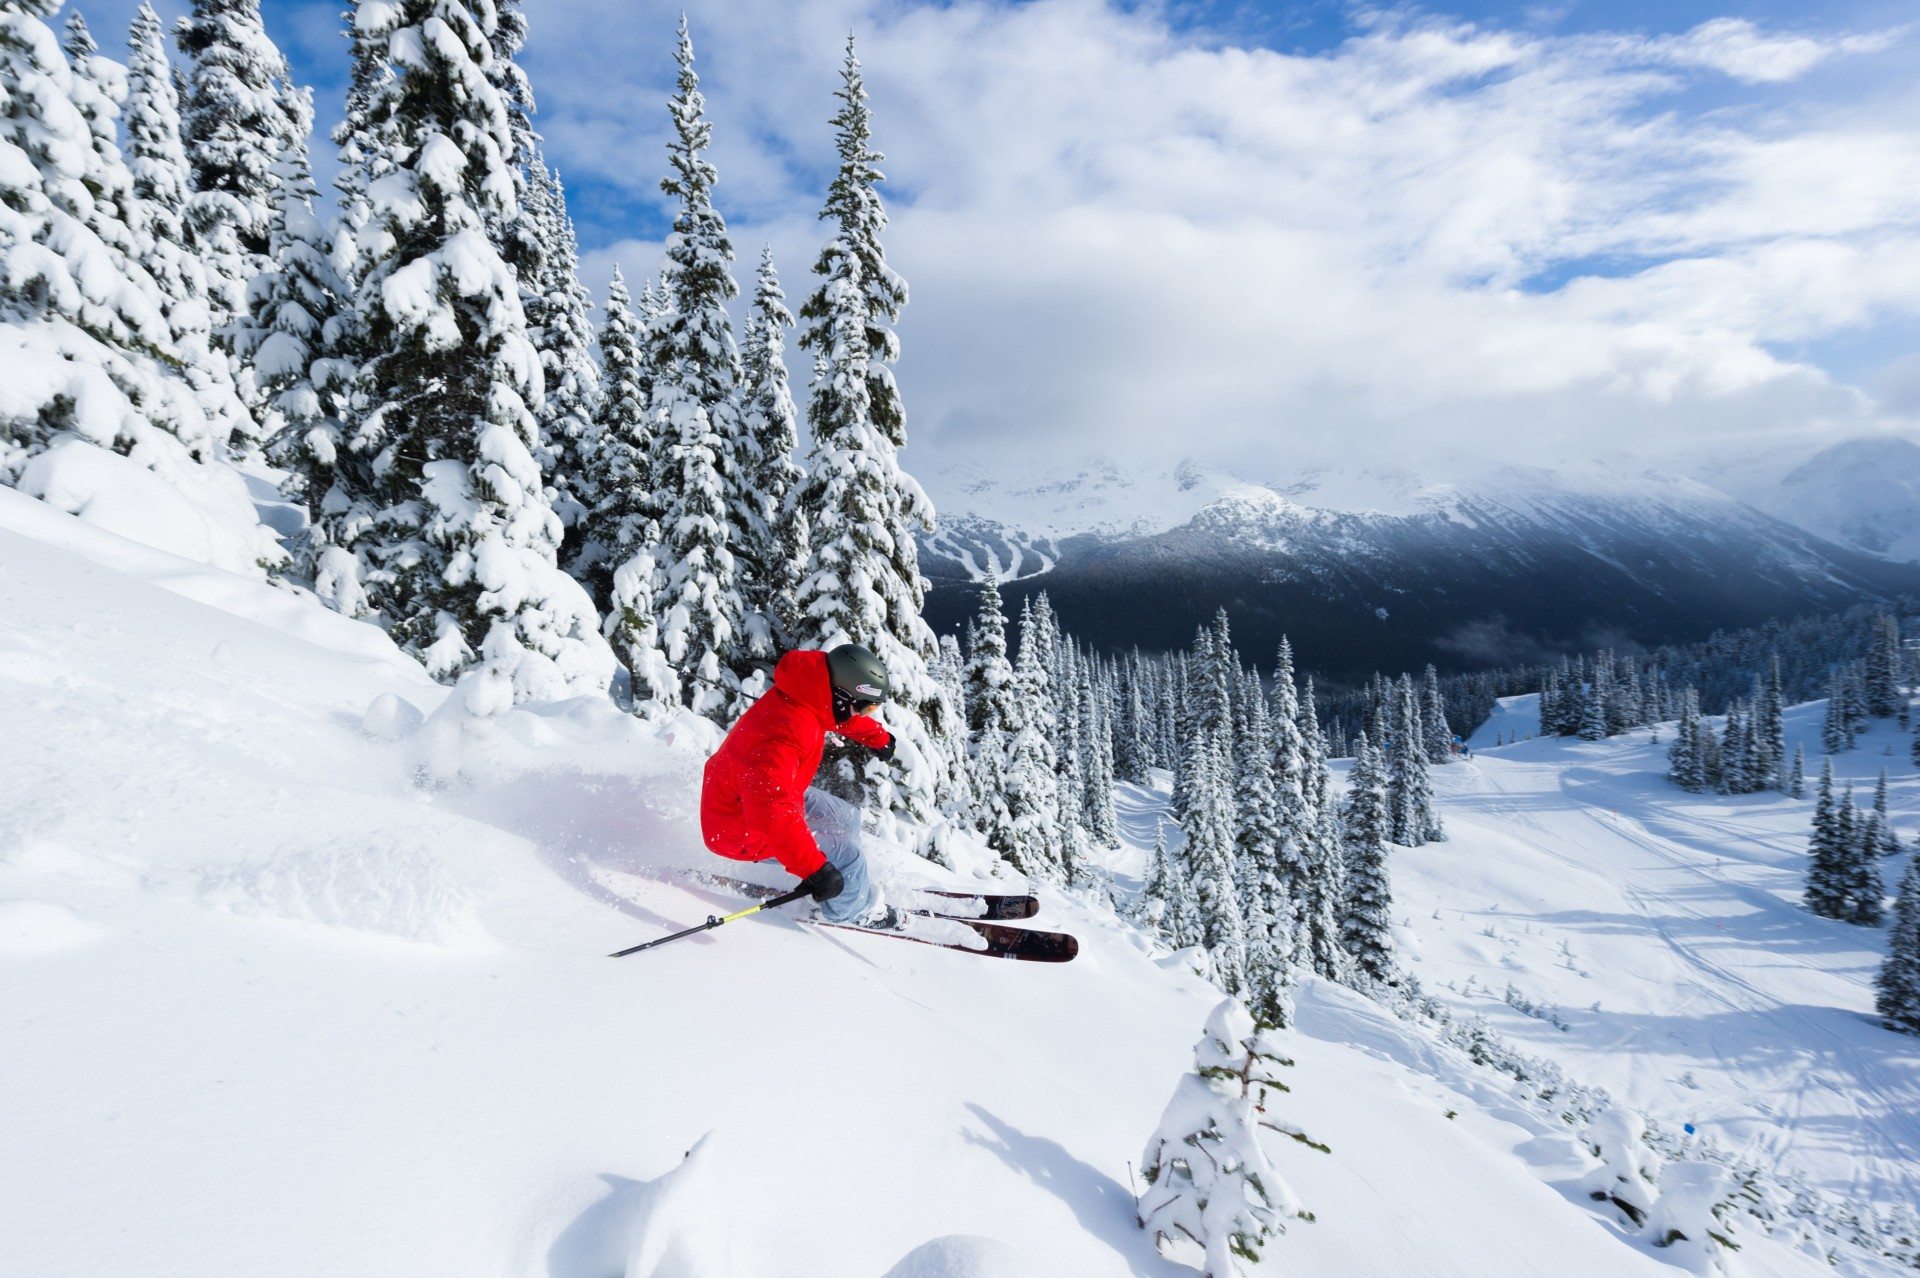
<point>756,804</point>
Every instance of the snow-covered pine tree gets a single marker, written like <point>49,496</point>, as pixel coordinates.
<point>1897,986</point>
<point>1886,842</point>
<point>1828,853</point>
<point>770,563</point>
<point>1210,860</point>
<point>1865,894</point>
<point>1733,753</point>
<point>862,577</point>
<point>1133,752</point>
<point>1409,791</point>
<point>1031,781</point>
<point>1211,1188</point>
<point>1101,822</point>
<point>462,551</point>
<point>1290,784</point>
<point>1150,908</point>
<point>696,422</point>
<point>1882,695</point>
<point>84,332</point>
<point>291,326</point>
<point>619,549</point>
<point>242,114</point>
<point>162,181</point>
<point>1366,927</point>
<point>1070,784</point>
<point>1593,708</point>
<point>560,325</point>
<point>1433,718</point>
<point>1796,786</point>
<point>98,89</point>
<point>1770,728</point>
<point>1272,926</point>
<point>992,711</point>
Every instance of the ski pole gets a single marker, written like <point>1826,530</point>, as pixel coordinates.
<point>713,921</point>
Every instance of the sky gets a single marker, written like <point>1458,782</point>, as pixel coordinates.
<point>1272,235</point>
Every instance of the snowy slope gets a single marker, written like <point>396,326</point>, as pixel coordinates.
<point>296,984</point>
<point>1513,719</point>
<point>1665,930</point>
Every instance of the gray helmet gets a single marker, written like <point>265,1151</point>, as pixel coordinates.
<point>856,674</point>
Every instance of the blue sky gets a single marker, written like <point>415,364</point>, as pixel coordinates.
<point>1274,234</point>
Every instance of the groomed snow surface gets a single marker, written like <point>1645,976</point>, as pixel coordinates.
<point>304,973</point>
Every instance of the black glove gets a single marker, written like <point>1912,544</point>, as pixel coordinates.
<point>885,753</point>
<point>825,883</point>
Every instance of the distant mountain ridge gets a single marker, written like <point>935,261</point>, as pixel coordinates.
<point>1511,564</point>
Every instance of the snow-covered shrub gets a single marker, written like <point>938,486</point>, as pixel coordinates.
<point>1211,1188</point>
<point>1693,1215</point>
<point>1629,1171</point>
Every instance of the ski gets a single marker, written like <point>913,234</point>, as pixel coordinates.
<point>969,935</point>
<point>991,907</point>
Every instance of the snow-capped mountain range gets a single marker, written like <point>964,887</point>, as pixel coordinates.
<point>1376,566</point>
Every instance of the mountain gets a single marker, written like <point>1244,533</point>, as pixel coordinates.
<point>1381,569</point>
<point>1863,493</point>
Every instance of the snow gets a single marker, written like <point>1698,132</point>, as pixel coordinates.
<point>1513,719</point>
<point>308,984</point>
<point>1667,931</point>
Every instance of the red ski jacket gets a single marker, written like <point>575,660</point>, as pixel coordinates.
<point>752,801</point>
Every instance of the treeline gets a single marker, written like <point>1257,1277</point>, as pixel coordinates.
<point>1272,871</point>
<point>526,501</point>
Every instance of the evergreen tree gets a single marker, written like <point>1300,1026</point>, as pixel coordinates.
<point>1828,854</point>
<point>91,355</point>
<point>618,553</point>
<point>462,550</point>
<point>862,576</point>
<point>1885,842</point>
<point>1271,922</point>
<point>1862,888</point>
<point>243,115</point>
<point>292,320</point>
<point>1209,825</point>
<point>1101,821</point>
<point>1882,694</point>
<point>1210,1184</point>
<point>992,720</point>
<point>1367,925</point>
<point>777,532</point>
<point>1797,779</point>
<point>1593,709</point>
<point>695,420</point>
<point>1411,819</point>
<point>1030,784</point>
<point>161,184</point>
<point>1897,985</point>
<point>560,325</point>
<point>1433,718</point>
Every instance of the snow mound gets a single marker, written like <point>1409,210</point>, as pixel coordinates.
<point>198,512</point>
<point>41,927</point>
<point>398,889</point>
<point>390,717</point>
<point>680,1222</point>
<point>961,1256</point>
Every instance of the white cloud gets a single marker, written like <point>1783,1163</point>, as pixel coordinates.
<point>1125,240</point>
<point>1736,47</point>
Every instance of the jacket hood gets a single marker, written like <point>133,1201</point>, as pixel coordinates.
<point>802,676</point>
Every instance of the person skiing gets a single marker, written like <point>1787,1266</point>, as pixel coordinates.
<point>756,803</point>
